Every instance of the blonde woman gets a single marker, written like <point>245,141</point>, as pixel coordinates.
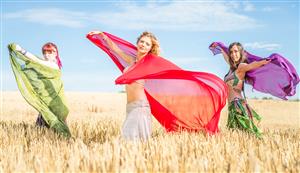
<point>137,124</point>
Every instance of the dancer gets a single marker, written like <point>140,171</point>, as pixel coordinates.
<point>137,124</point>
<point>178,99</point>
<point>252,69</point>
<point>39,81</point>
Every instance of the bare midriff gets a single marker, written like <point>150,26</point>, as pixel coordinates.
<point>135,91</point>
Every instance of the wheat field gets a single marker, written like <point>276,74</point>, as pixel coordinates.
<point>95,120</point>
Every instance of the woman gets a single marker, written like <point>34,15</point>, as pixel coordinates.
<point>137,124</point>
<point>179,100</point>
<point>39,81</point>
<point>240,115</point>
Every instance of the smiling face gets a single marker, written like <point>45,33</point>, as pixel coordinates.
<point>144,45</point>
<point>235,53</point>
<point>147,43</point>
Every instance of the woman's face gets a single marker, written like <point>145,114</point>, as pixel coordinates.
<point>235,53</point>
<point>144,45</point>
<point>50,54</point>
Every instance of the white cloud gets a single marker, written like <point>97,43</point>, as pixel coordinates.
<point>50,16</point>
<point>191,16</point>
<point>234,4</point>
<point>174,16</point>
<point>261,45</point>
<point>248,7</point>
<point>270,9</point>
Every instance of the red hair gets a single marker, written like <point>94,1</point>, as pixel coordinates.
<point>51,46</point>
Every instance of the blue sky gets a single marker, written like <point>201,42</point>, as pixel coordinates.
<point>184,28</point>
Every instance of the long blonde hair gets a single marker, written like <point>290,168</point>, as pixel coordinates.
<point>155,49</point>
<point>243,58</point>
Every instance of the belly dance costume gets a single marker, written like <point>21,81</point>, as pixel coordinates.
<point>240,115</point>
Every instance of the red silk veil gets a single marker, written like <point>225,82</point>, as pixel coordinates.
<point>179,99</point>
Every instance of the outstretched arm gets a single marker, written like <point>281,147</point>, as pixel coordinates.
<point>27,54</point>
<point>34,58</point>
<point>225,55</point>
<point>243,67</point>
<point>114,47</point>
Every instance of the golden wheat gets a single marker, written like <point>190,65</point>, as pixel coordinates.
<point>95,120</point>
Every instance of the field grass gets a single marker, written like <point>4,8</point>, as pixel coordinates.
<point>95,120</point>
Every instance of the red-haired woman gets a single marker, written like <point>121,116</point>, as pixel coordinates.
<point>39,81</point>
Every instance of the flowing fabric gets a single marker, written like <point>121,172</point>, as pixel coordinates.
<point>179,99</point>
<point>241,116</point>
<point>278,78</point>
<point>42,88</point>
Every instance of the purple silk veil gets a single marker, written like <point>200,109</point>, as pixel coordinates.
<point>278,78</point>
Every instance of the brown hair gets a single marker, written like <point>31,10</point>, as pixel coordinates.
<point>243,58</point>
<point>155,44</point>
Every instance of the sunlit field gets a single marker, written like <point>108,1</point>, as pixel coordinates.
<point>95,121</point>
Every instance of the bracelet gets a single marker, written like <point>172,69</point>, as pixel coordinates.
<point>23,51</point>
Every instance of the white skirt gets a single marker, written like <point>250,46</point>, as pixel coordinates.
<point>137,124</point>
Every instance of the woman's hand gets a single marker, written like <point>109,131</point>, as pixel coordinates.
<point>214,45</point>
<point>99,33</point>
<point>265,61</point>
<point>18,47</point>
<point>95,32</point>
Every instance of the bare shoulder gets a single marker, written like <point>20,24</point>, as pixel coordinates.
<point>242,68</point>
<point>241,65</point>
